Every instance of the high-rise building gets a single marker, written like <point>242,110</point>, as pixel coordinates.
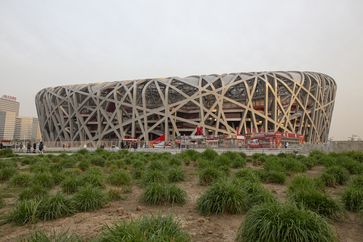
<point>27,128</point>
<point>9,110</point>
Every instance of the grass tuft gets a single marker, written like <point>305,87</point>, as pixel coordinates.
<point>274,222</point>
<point>119,178</point>
<point>56,206</point>
<point>160,194</point>
<point>89,198</point>
<point>222,197</point>
<point>146,229</point>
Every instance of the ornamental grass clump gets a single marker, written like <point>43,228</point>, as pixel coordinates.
<point>33,192</point>
<point>274,222</point>
<point>340,174</point>
<point>308,193</point>
<point>70,184</point>
<point>89,198</point>
<point>43,179</point>
<point>25,211</point>
<point>353,198</point>
<point>6,173</point>
<point>41,236</point>
<point>272,176</point>
<point>247,174</point>
<point>119,178</point>
<point>93,177</point>
<point>222,197</point>
<point>256,194</point>
<point>21,180</point>
<point>146,229</point>
<point>209,175</point>
<point>176,175</point>
<point>161,194</point>
<point>302,182</point>
<point>154,176</point>
<point>54,207</point>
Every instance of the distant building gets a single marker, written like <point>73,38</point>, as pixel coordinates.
<point>9,110</point>
<point>27,128</point>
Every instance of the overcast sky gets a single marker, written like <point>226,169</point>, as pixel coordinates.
<point>49,43</point>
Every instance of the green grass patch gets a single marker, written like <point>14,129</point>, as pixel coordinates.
<point>119,178</point>
<point>222,197</point>
<point>161,194</point>
<point>274,222</point>
<point>56,206</point>
<point>176,174</point>
<point>146,229</point>
<point>353,198</point>
<point>89,198</point>
<point>209,175</point>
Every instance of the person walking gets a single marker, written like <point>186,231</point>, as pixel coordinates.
<point>34,147</point>
<point>41,147</point>
<point>28,147</point>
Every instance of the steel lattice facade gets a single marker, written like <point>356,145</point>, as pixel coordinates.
<point>228,104</point>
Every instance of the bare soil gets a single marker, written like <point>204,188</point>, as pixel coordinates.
<point>201,228</point>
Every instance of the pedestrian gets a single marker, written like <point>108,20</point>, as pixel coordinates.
<point>28,147</point>
<point>41,147</point>
<point>34,147</point>
<point>21,147</point>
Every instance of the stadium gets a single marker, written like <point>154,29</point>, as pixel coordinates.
<point>228,105</point>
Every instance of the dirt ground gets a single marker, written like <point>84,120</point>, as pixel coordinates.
<point>200,228</point>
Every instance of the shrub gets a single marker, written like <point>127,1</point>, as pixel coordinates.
<point>152,176</point>
<point>175,175</point>
<point>316,201</point>
<point>40,236</point>
<point>56,206</point>
<point>33,192</point>
<point>21,180</point>
<point>273,176</point>
<point>248,174</point>
<point>274,222</point>
<point>209,174</point>
<point>44,179</point>
<point>222,197</point>
<point>147,229</point>
<point>89,198</point>
<point>119,178</point>
<point>340,174</point>
<point>70,184</point>
<point>25,211</point>
<point>190,155</point>
<point>353,198</point>
<point>6,173</point>
<point>158,194</point>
